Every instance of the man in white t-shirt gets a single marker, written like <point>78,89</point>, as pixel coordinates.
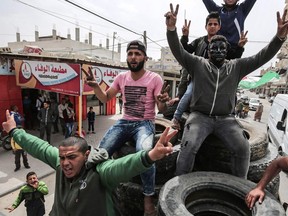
<point>141,91</point>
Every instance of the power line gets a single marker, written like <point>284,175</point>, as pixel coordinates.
<point>89,11</point>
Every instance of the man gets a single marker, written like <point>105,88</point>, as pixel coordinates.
<point>46,116</point>
<point>85,178</point>
<point>61,107</point>
<point>200,48</point>
<point>215,83</point>
<point>141,90</point>
<point>232,16</point>
<point>258,193</point>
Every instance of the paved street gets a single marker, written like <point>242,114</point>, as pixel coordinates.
<point>11,181</point>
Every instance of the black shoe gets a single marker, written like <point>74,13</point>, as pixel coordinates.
<point>27,167</point>
<point>93,132</point>
<point>16,169</point>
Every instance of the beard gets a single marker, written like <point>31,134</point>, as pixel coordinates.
<point>137,68</point>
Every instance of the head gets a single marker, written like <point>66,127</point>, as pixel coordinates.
<point>46,104</point>
<point>63,101</point>
<point>14,108</point>
<point>213,23</point>
<point>230,3</point>
<point>217,49</point>
<point>91,108</point>
<point>31,178</point>
<point>136,55</point>
<point>73,153</point>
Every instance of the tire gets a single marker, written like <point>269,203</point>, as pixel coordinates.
<point>214,156</point>
<point>160,125</point>
<point>212,193</point>
<point>6,143</point>
<point>129,198</point>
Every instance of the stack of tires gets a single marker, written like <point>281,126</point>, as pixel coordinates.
<point>212,156</point>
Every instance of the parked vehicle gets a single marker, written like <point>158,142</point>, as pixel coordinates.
<point>263,96</point>
<point>277,123</point>
<point>5,141</point>
<point>253,103</point>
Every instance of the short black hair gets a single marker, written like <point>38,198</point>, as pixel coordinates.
<point>213,15</point>
<point>30,174</point>
<point>76,141</point>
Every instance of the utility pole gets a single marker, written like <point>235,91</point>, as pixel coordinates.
<point>114,36</point>
<point>145,39</point>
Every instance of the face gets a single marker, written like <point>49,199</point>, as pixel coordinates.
<point>71,160</point>
<point>135,60</point>
<point>212,27</point>
<point>218,51</point>
<point>32,179</point>
<point>45,105</point>
<point>230,2</point>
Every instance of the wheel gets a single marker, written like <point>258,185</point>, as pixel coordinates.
<point>6,143</point>
<point>212,193</point>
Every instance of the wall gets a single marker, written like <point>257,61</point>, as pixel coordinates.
<point>10,94</point>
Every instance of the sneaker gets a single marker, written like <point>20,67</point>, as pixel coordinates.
<point>93,132</point>
<point>27,167</point>
<point>16,169</point>
<point>176,124</point>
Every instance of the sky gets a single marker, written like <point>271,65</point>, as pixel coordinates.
<point>128,19</point>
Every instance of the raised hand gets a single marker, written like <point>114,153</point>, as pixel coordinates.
<point>243,39</point>
<point>10,122</point>
<point>282,25</point>
<point>164,96</point>
<point>171,17</point>
<point>185,28</point>
<point>163,147</point>
<point>90,78</point>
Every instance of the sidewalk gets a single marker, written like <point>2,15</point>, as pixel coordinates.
<point>11,181</point>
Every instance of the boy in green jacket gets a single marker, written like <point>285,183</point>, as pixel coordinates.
<point>85,177</point>
<point>33,194</point>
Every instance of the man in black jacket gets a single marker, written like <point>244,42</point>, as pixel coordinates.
<point>46,116</point>
<point>215,83</point>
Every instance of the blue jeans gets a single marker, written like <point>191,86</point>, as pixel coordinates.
<point>69,129</point>
<point>198,126</point>
<point>184,102</point>
<point>142,132</point>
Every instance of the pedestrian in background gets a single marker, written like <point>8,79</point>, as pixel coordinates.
<point>54,108</point>
<point>69,116</point>
<point>27,110</point>
<point>61,107</point>
<point>33,194</point>
<point>258,113</point>
<point>18,151</point>
<point>46,117</point>
<point>91,120</point>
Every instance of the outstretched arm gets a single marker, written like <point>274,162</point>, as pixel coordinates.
<point>271,172</point>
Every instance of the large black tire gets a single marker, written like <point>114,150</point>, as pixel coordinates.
<point>6,143</point>
<point>214,156</point>
<point>212,193</point>
<point>160,125</point>
<point>129,198</point>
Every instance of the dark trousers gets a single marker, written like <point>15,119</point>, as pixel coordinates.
<point>91,126</point>
<point>36,209</point>
<point>55,125</point>
<point>45,128</point>
<point>63,125</point>
<point>18,154</point>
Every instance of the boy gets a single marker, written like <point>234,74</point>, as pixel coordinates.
<point>33,194</point>
<point>91,119</point>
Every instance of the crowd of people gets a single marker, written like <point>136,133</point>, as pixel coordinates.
<point>212,65</point>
